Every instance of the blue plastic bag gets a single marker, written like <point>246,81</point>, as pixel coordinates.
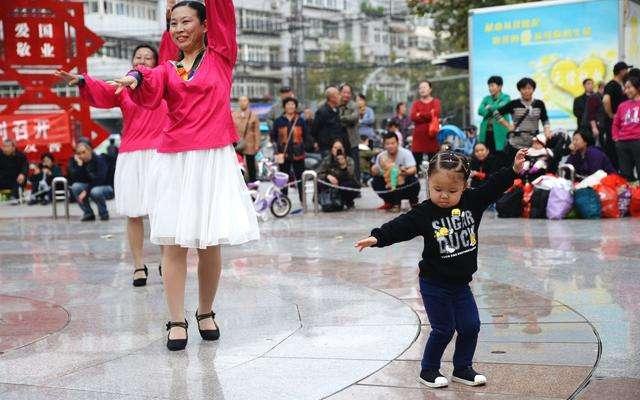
<point>587,203</point>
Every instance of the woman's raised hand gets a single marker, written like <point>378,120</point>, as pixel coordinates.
<point>69,78</point>
<point>364,243</point>
<point>125,81</point>
<point>518,161</point>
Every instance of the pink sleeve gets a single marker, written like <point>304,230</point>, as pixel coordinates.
<point>168,50</point>
<point>98,93</point>
<point>150,93</point>
<point>617,122</point>
<point>221,32</point>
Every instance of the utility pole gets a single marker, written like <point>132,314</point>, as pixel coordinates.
<point>296,55</point>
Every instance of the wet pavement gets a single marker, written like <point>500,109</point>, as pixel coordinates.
<point>303,316</point>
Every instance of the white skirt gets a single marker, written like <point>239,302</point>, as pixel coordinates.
<point>130,182</point>
<point>198,199</point>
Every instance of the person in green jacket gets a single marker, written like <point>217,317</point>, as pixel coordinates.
<point>492,133</point>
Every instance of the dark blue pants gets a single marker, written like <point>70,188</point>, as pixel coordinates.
<point>450,308</point>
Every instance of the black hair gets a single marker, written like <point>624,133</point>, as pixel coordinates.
<point>146,46</point>
<point>337,140</point>
<point>481,143</point>
<point>634,81</point>
<point>584,82</point>
<point>285,89</point>
<point>586,136</point>
<point>288,99</point>
<point>200,8</point>
<point>389,135</point>
<point>495,79</point>
<point>634,72</point>
<point>427,82</point>
<point>342,86</point>
<point>524,82</point>
<point>362,96</point>
<point>450,161</point>
<point>393,122</point>
<point>49,155</point>
<point>399,105</point>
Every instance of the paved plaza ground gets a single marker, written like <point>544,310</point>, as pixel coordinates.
<point>304,316</point>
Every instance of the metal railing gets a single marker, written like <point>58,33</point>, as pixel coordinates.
<point>312,176</point>
<point>60,194</point>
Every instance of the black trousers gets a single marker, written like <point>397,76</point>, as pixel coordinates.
<point>297,167</point>
<point>409,190</point>
<point>250,160</point>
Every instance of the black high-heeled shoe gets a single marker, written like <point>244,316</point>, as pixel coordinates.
<point>208,334</point>
<point>177,344</point>
<point>141,281</point>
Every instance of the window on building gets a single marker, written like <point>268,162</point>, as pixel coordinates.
<point>364,34</point>
<point>348,32</point>
<point>274,54</point>
<point>257,21</point>
<point>108,6</point>
<point>120,9</point>
<point>330,29</point>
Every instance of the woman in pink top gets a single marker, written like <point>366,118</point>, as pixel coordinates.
<point>626,130</point>
<point>141,136</point>
<point>200,199</point>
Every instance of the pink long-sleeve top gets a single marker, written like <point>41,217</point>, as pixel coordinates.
<point>142,128</point>
<point>168,50</point>
<point>626,123</point>
<point>199,108</point>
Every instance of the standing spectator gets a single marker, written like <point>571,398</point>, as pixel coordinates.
<point>601,86</point>
<point>88,171</point>
<point>402,119</point>
<point>42,178</point>
<point>326,123</point>
<point>276,108</point>
<point>470,139</point>
<point>248,130</point>
<point>406,165</point>
<point>596,119</point>
<point>613,96</point>
<point>13,168</point>
<point>392,126</point>
<point>308,116</point>
<point>366,157</point>
<point>349,121</point>
<point>423,111</point>
<point>585,157</point>
<point>288,136</point>
<point>580,104</point>
<point>526,113</point>
<point>626,130</point>
<point>367,117</point>
<point>492,133</point>
<point>338,169</point>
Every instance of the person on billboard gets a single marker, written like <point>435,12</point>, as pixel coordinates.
<point>199,198</point>
<point>492,133</point>
<point>527,113</point>
<point>141,134</point>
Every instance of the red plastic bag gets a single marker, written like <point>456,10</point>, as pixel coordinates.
<point>608,201</point>
<point>634,206</point>
<point>614,181</point>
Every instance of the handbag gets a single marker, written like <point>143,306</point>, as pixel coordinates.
<point>330,200</point>
<point>280,157</point>
<point>510,204</point>
<point>241,145</point>
<point>539,202</point>
<point>434,125</point>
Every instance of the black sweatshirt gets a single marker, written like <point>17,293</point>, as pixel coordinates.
<point>450,253</point>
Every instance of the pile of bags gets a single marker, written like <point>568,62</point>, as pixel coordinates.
<point>597,196</point>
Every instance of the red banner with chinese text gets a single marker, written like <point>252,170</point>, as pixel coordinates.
<point>38,133</point>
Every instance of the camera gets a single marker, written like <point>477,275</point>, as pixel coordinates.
<point>339,152</point>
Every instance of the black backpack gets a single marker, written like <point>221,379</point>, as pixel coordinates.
<point>510,204</point>
<point>539,200</point>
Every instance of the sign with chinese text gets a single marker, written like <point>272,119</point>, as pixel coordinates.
<point>34,40</point>
<point>558,45</point>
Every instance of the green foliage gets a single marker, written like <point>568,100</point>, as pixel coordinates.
<point>370,11</point>
<point>450,19</point>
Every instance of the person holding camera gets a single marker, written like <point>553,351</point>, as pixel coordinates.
<point>42,178</point>
<point>338,171</point>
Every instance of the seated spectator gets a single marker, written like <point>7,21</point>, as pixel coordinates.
<point>483,164</point>
<point>88,172</point>
<point>470,140</point>
<point>13,168</point>
<point>393,126</point>
<point>586,158</point>
<point>339,170</point>
<point>405,162</point>
<point>41,180</point>
<point>366,157</point>
<point>537,159</point>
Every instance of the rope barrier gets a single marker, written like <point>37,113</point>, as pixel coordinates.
<point>329,184</point>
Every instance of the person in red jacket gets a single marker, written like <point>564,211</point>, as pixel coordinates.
<point>423,111</point>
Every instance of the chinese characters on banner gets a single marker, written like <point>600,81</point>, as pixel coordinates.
<point>37,132</point>
<point>34,41</point>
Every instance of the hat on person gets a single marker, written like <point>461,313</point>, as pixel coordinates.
<point>620,65</point>
<point>285,89</point>
<point>540,137</point>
